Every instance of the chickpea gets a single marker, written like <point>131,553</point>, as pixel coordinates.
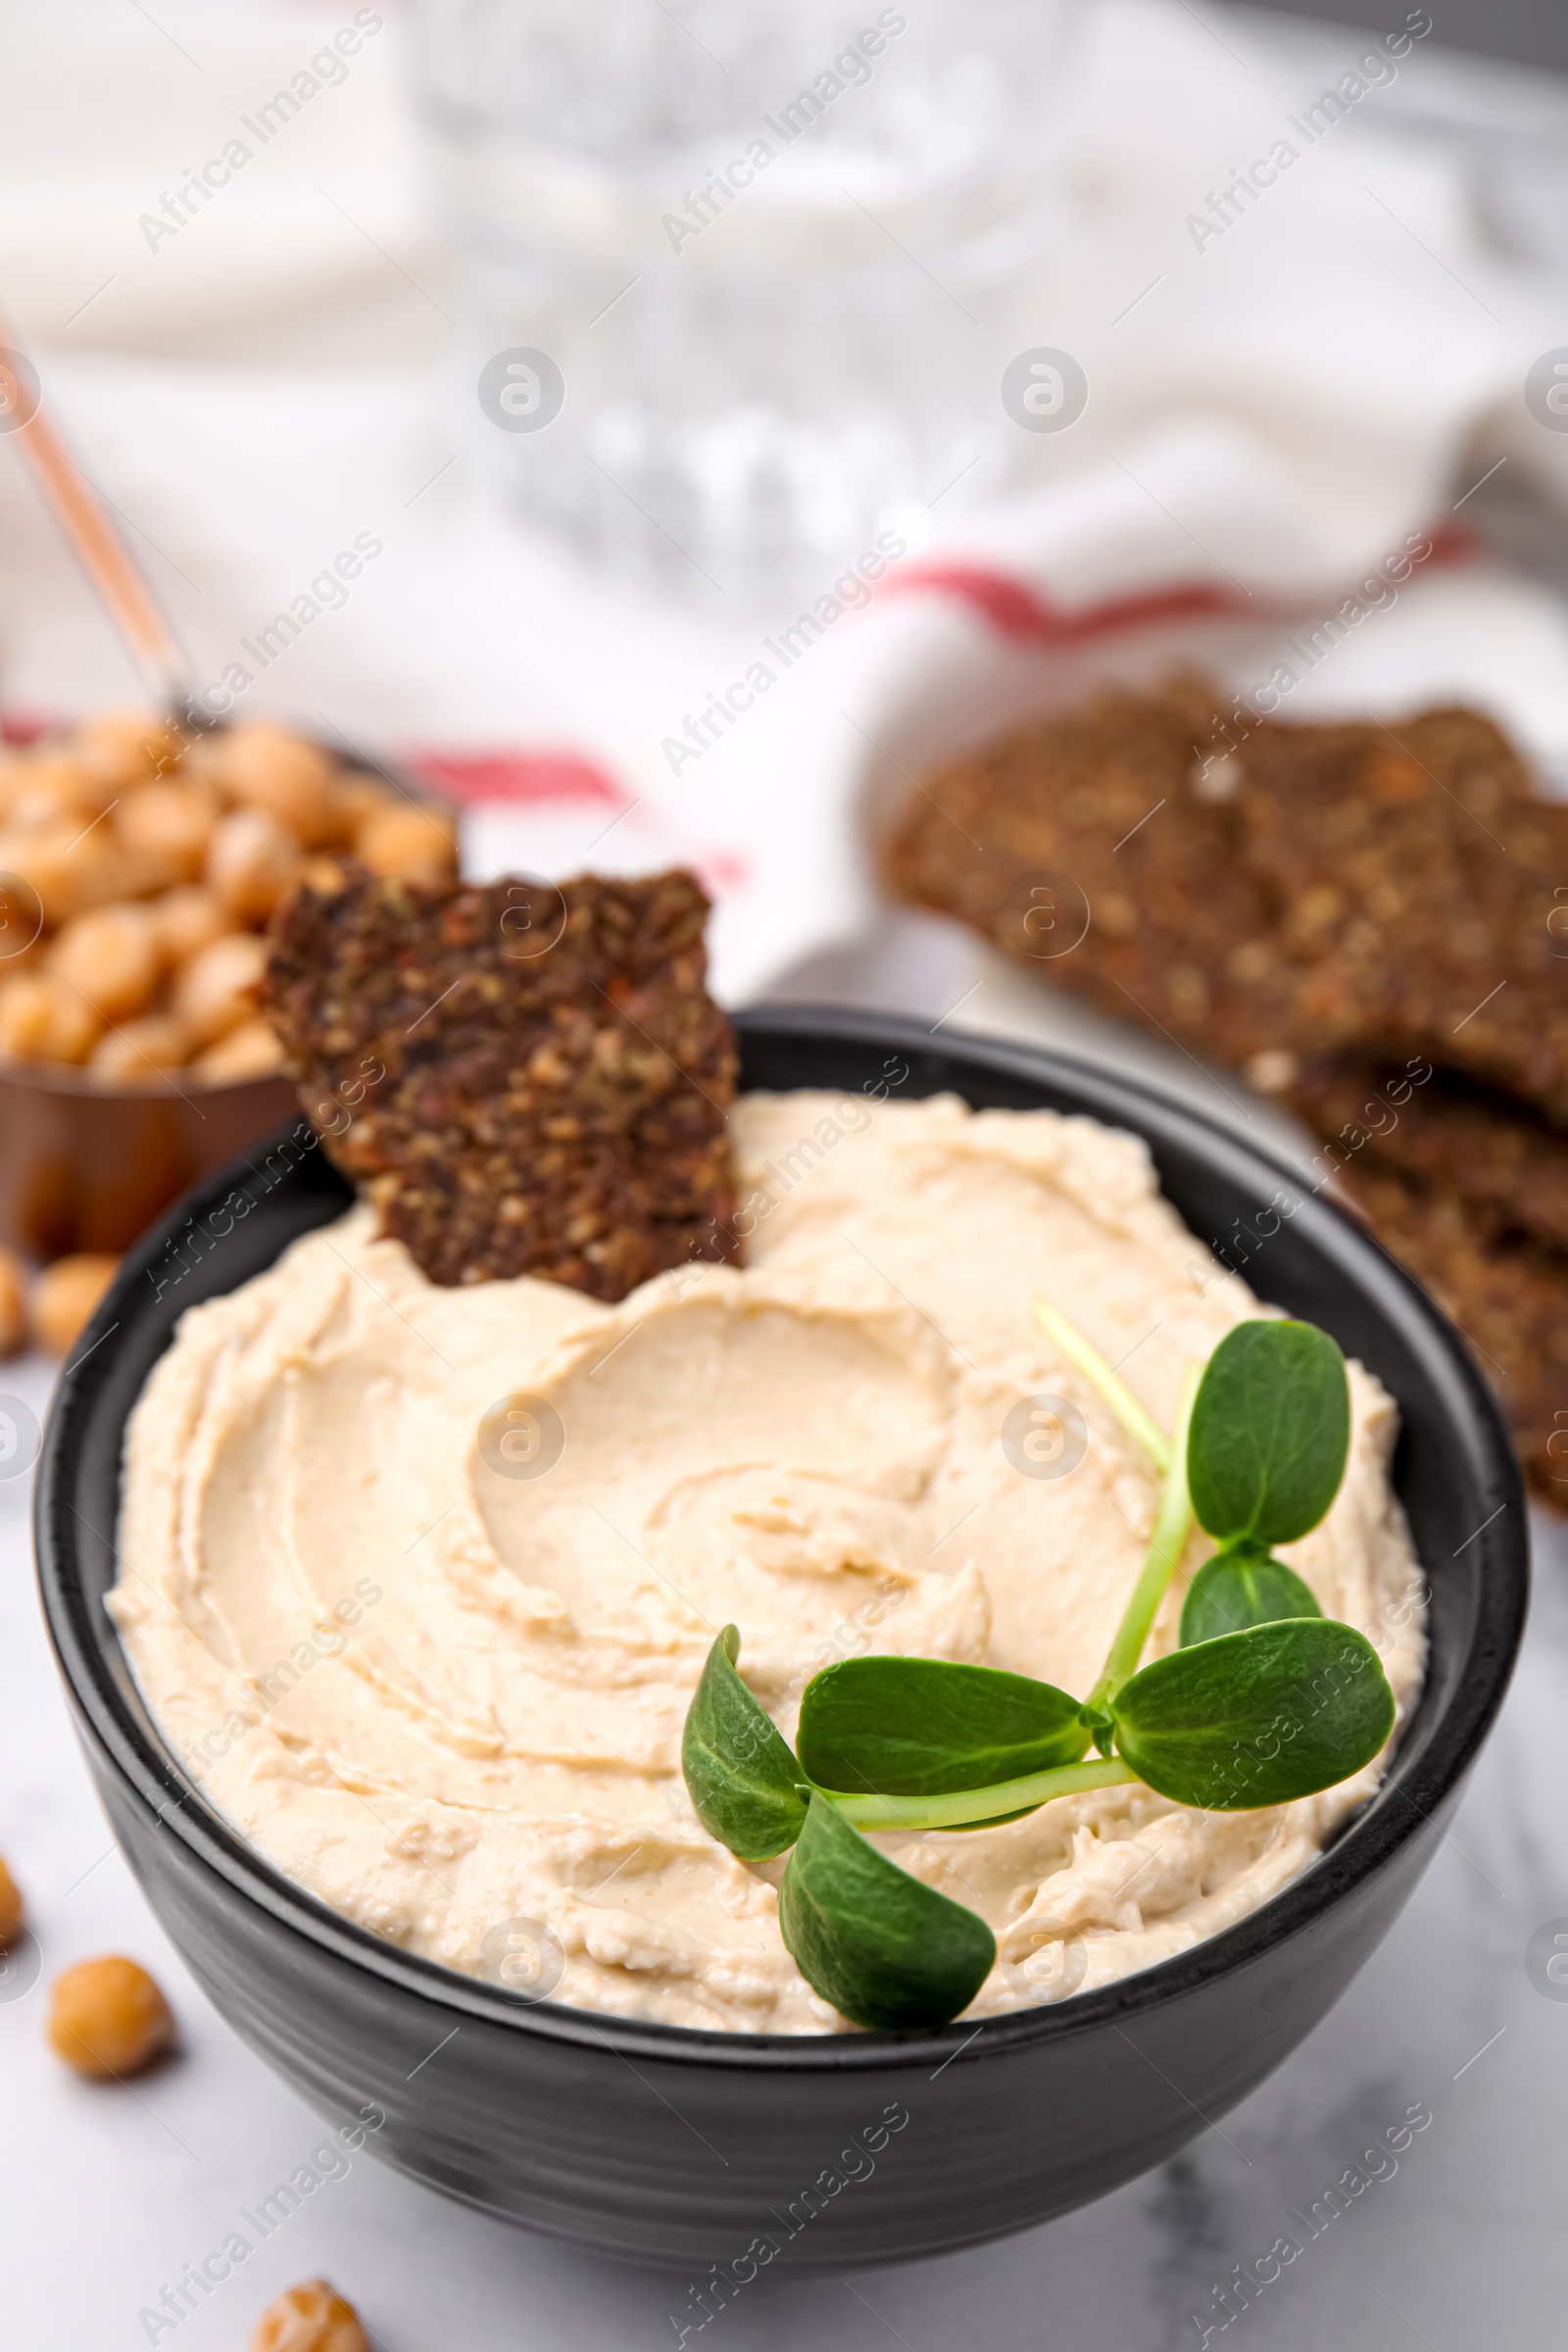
<point>42,1019</point>
<point>141,1052</point>
<point>22,918</point>
<point>13,1315</point>
<point>12,1913</point>
<point>15,769</point>
<point>20,922</point>
<point>412,845</point>
<point>313,2318</point>
<point>64,1298</point>
<point>123,747</point>
<point>268,768</point>
<point>252,1050</point>
<point>204,761</point>
<point>186,920</point>
<point>359,796</point>
<point>165,829</point>
<point>38,809</point>
<point>253,862</point>
<point>107,2017</point>
<point>325,875</point>
<point>69,863</point>
<point>111,958</point>
<point>215,989</point>
<point>49,790</point>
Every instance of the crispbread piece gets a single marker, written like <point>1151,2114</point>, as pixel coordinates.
<point>1508,1295</point>
<point>1333,889</point>
<point>1494,1154</point>
<point>1517,1038</point>
<point>555,1079</point>
<point>1088,845</point>
<point>1414,875</point>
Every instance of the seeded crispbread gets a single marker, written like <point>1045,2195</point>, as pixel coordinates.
<point>1414,872</point>
<point>555,1077</point>
<point>1441,1133</point>
<point>1508,1294</point>
<point>1344,888</point>
<point>1088,846</point>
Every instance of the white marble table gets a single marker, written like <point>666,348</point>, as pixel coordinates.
<point>108,2195</point>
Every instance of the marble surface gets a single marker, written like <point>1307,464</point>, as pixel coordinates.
<point>109,2194</point>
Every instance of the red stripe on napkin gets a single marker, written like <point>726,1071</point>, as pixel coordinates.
<point>522,778</point>
<point>1017,611</point>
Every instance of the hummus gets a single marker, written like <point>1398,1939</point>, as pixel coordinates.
<point>419,1582</point>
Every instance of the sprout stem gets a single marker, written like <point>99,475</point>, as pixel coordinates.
<point>972,1808</point>
<point>1166,1547</point>
<point>1113,1390</point>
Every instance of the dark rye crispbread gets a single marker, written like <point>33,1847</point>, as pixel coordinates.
<point>1444,1136</point>
<point>557,1078</point>
<point>1508,1294</point>
<point>1104,804</point>
<point>1414,874</point>
<point>1344,888</point>
<point>1326,907</point>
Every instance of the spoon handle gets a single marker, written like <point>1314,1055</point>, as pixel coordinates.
<point>84,515</point>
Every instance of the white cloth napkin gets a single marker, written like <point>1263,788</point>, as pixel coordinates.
<point>1284,411</point>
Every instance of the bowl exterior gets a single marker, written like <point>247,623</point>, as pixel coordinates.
<point>626,2144</point>
<point>694,2150</point>
<point>89,1168</point>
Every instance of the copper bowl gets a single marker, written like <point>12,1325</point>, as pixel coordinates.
<point>85,1166</point>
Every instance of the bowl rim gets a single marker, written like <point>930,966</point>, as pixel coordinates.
<point>1371,1839</point>
<point>71,1079</point>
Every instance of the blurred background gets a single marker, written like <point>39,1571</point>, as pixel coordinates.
<point>631,335</point>
<point>660,432</point>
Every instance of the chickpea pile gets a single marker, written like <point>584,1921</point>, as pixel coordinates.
<point>155,861</point>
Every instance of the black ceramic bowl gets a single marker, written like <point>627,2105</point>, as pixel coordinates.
<point>679,2148</point>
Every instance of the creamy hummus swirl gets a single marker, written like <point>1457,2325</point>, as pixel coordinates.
<point>417,1583</point>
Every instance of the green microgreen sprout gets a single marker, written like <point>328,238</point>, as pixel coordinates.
<point>1134,1417</point>
<point>1166,1543</point>
<point>1265,1699</point>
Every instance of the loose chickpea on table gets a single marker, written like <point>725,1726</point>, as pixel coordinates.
<point>13,1302</point>
<point>108,2018</point>
<point>312,2317</point>
<point>13,1913</point>
<point>64,1298</point>
<point>155,863</point>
